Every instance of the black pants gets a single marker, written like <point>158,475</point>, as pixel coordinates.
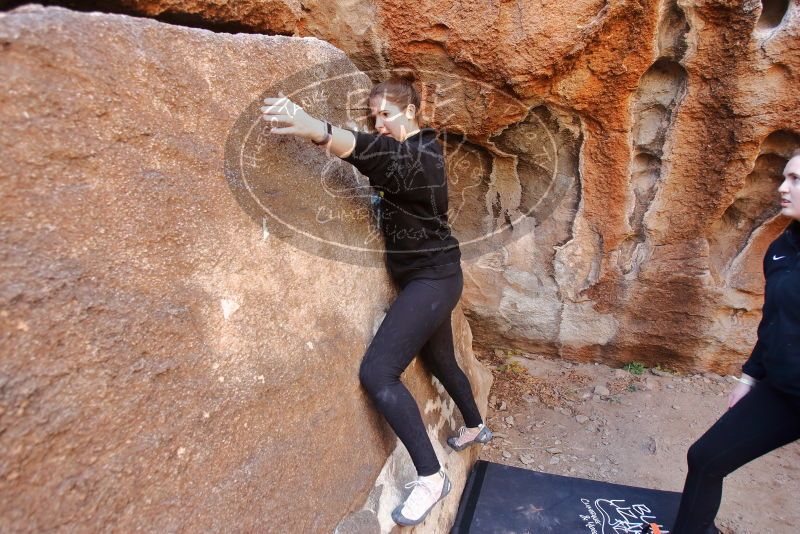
<point>417,322</point>
<point>760,422</point>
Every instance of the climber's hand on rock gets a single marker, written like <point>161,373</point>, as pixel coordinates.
<point>286,117</point>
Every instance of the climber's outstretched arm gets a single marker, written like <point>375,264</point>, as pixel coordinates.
<point>286,117</point>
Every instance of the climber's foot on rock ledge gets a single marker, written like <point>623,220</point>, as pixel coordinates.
<point>470,436</point>
<point>426,492</point>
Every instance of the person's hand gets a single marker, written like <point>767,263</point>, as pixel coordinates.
<point>286,117</point>
<point>738,392</point>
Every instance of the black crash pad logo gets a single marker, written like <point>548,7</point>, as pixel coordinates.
<point>615,516</point>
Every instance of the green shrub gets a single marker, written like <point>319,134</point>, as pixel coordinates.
<point>512,367</point>
<point>635,368</point>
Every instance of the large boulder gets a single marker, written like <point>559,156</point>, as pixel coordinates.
<point>174,357</point>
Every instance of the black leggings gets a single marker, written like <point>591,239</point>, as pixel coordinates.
<point>417,322</point>
<point>760,422</point>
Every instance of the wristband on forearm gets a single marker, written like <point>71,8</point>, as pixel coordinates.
<point>746,380</point>
<point>328,134</point>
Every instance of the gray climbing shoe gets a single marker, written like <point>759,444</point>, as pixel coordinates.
<point>458,443</point>
<point>420,501</point>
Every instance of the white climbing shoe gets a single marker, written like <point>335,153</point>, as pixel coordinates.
<point>426,492</point>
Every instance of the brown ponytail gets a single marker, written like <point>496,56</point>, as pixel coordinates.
<point>398,90</point>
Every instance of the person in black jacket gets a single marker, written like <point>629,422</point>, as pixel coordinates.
<point>764,407</point>
<point>405,164</point>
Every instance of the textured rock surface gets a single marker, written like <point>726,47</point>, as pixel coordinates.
<point>671,120</point>
<point>167,363</point>
<point>263,16</point>
<point>683,112</point>
<point>351,25</point>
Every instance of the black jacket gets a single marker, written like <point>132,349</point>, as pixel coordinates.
<point>410,177</point>
<point>776,356</point>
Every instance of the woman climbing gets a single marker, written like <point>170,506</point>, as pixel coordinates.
<point>404,163</point>
<point>764,407</point>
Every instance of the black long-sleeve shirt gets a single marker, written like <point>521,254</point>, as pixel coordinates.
<point>410,177</point>
<point>776,356</point>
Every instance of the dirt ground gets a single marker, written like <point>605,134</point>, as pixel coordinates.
<point>597,422</point>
